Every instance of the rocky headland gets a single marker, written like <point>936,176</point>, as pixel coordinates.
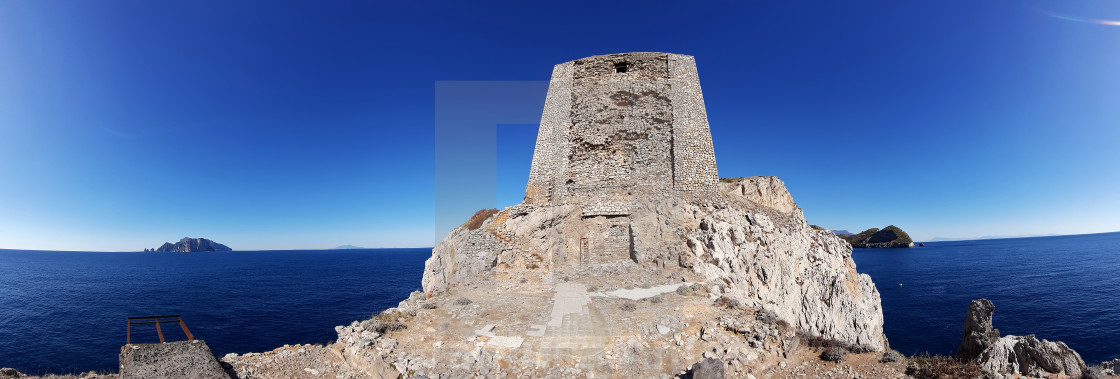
<point>888,237</point>
<point>188,244</point>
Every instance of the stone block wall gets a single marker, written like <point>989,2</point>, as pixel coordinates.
<point>615,243</point>
<point>607,240</point>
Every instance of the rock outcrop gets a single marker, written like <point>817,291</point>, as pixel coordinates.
<point>1030,356</point>
<point>1024,355</point>
<point>11,373</point>
<point>888,237</point>
<point>188,244</point>
<point>771,258</point>
<point>766,191</point>
<point>757,249</point>
<point>1111,367</point>
<point>979,334</point>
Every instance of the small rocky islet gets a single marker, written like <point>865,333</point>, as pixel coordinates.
<point>188,244</point>
<point>888,237</point>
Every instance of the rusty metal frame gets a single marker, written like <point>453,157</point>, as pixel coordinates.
<point>156,320</point>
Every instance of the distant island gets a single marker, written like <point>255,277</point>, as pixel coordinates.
<point>888,237</point>
<point>841,232</point>
<point>188,244</point>
<point>347,247</point>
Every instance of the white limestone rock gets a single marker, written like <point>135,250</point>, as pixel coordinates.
<point>775,260</point>
<point>759,255</point>
<point>767,191</point>
<point>1027,355</point>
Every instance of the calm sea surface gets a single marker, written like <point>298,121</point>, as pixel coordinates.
<point>65,311</point>
<point>1062,288</point>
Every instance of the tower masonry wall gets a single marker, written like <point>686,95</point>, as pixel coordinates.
<point>620,126</point>
<point>548,155</point>
<point>694,158</point>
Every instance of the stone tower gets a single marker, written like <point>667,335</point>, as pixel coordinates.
<point>623,193</point>
<point>618,127</point>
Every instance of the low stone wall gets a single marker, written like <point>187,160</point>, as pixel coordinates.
<point>181,359</point>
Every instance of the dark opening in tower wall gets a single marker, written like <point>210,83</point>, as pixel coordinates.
<point>621,66</point>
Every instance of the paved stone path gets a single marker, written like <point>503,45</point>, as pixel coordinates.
<point>575,328</point>
<point>570,298</point>
<point>642,293</point>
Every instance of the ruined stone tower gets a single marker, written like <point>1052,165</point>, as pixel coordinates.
<point>619,127</point>
<point>623,193</point>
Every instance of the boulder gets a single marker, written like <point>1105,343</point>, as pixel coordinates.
<point>710,368</point>
<point>1027,355</point>
<point>1111,367</point>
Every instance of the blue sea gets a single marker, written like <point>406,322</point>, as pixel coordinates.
<point>64,312</point>
<point>1063,288</point>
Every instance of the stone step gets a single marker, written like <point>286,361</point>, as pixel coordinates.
<point>498,221</point>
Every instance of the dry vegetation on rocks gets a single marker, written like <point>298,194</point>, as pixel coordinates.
<point>478,218</point>
<point>927,366</point>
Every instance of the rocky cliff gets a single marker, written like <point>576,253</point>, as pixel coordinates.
<point>888,237</point>
<point>771,258</point>
<point>188,244</point>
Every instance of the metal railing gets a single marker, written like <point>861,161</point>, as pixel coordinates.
<point>156,320</point>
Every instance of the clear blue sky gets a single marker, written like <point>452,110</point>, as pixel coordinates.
<point>261,125</point>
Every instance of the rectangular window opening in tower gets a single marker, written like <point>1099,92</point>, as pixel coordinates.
<point>621,67</point>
